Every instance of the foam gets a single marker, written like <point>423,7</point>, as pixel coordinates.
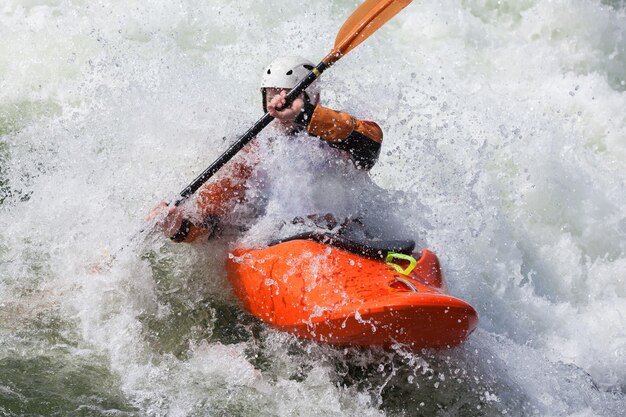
<point>504,129</point>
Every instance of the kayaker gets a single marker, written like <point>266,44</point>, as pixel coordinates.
<point>351,139</point>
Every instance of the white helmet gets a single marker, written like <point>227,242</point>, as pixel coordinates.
<point>287,72</point>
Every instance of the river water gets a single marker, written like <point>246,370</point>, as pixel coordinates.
<point>505,147</point>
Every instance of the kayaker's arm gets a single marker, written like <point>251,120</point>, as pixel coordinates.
<point>362,139</point>
<point>215,199</point>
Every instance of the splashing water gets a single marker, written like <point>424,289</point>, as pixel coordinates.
<point>504,148</point>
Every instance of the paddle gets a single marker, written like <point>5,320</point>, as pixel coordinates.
<point>363,22</point>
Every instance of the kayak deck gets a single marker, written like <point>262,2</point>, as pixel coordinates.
<point>334,296</point>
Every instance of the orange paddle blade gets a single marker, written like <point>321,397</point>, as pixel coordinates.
<point>365,20</point>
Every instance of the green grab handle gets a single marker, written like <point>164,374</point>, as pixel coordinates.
<point>394,255</point>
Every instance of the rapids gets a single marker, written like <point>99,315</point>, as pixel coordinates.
<point>505,149</point>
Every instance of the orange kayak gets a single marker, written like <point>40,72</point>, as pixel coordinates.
<point>333,295</point>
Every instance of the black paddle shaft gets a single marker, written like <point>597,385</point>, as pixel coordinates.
<point>247,137</point>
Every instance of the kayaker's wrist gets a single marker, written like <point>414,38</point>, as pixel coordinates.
<point>189,230</point>
<point>183,231</point>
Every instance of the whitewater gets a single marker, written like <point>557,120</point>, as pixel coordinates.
<point>504,147</point>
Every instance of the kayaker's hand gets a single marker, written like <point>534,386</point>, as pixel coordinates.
<point>167,218</point>
<point>288,114</point>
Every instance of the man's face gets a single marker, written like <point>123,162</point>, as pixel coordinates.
<point>270,93</point>
<point>284,126</point>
